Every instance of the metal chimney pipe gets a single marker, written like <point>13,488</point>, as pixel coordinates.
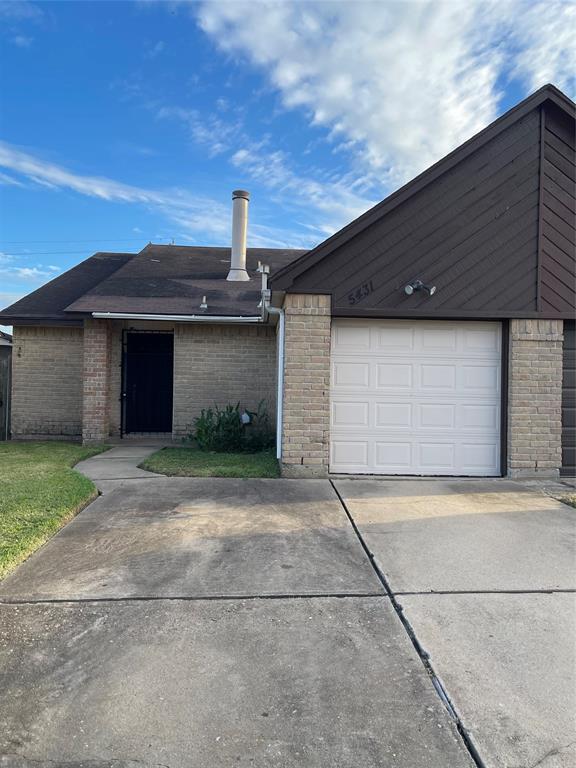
<point>240,200</point>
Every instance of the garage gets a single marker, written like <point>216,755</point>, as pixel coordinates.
<point>415,397</point>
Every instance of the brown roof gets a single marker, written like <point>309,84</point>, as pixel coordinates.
<point>161,279</point>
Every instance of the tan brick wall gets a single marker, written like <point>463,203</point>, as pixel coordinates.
<point>306,432</point>
<point>95,381</point>
<point>222,364</point>
<point>47,382</point>
<point>535,397</point>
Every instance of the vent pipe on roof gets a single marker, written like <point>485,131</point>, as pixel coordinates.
<point>239,228</point>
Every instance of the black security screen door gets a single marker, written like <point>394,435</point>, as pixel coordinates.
<point>148,382</point>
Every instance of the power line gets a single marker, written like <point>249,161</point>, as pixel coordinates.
<point>93,240</point>
<point>49,253</point>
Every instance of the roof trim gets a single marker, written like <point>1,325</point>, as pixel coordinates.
<point>230,319</point>
<point>286,276</point>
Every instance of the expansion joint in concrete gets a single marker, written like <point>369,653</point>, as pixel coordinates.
<point>422,653</point>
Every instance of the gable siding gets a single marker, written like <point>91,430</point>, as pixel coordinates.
<point>558,212</point>
<point>473,233</point>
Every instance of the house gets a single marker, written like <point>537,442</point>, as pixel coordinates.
<point>434,335</point>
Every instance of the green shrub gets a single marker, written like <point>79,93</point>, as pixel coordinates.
<point>259,434</point>
<point>221,430</point>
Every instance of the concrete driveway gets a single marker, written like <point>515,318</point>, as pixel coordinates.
<point>194,623</point>
<point>485,572</point>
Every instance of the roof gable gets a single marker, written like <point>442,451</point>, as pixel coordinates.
<point>475,213</point>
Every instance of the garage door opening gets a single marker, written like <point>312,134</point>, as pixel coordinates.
<point>148,382</point>
<point>416,397</point>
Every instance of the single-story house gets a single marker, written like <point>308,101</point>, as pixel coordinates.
<point>434,335</point>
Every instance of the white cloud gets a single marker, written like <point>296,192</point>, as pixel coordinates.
<point>332,203</point>
<point>217,135</point>
<point>9,181</point>
<point>194,214</point>
<point>399,84</point>
<point>22,41</point>
<point>156,49</point>
<point>19,11</point>
<point>31,273</point>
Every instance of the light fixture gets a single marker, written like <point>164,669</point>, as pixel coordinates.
<point>418,285</point>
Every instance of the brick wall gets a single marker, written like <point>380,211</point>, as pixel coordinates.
<point>306,433</point>
<point>535,397</point>
<point>222,364</point>
<point>47,382</point>
<point>95,381</point>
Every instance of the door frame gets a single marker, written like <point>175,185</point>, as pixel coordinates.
<point>124,374</point>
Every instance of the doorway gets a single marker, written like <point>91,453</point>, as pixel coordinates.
<point>148,381</point>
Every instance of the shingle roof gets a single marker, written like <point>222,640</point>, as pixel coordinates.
<point>161,279</point>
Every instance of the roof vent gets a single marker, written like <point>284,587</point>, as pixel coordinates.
<point>240,200</point>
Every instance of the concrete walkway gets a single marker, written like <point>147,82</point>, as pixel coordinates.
<point>110,469</point>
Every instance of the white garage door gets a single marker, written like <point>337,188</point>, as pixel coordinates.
<point>415,397</point>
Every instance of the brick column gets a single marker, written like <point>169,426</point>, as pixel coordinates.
<point>95,381</point>
<point>535,398</point>
<point>306,432</point>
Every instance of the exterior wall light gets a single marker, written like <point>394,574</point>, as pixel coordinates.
<point>418,285</point>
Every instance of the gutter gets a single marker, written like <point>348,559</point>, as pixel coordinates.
<point>230,319</point>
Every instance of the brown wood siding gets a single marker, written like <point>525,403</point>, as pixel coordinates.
<point>569,400</point>
<point>558,214</point>
<point>473,233</point>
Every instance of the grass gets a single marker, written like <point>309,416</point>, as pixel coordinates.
<point>39,493</point>
<point>570,500</point>
<point>192,462</point>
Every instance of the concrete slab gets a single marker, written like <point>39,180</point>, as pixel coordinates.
<point>509,665</point>
<point>262,683</point>
<point>202,537</point>
<point>434,535</point>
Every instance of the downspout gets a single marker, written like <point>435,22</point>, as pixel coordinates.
<point>280,378</point>
<point>267,309</point>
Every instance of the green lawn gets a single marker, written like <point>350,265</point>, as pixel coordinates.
<point>192,462</point>
<point>570,500</point>
<point>39,492</point>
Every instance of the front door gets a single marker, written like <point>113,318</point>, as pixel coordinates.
<point>148,382</point>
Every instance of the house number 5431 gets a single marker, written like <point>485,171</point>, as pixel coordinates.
<point>360,293</point>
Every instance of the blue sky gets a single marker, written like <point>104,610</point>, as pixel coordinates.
<point>129,122</point>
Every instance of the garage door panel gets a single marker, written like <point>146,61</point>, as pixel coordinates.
<point>352,337</point>
<point>353,453</point>
<point>393,454</point>
<point>422,398</point>
<point>480,378</point>
<point>393,339</point>
<point>438,340</point>
<point>437,377</point>
<point>478,455</point>
<point>393,415</point>
<point>481,341</point>
<point>394,375</point>
<point>349,414</point>
<point>351,374</point>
